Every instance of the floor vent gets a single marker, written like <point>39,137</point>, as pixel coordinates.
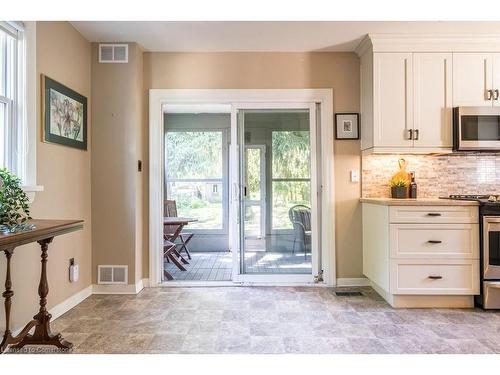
<point>112,274</point>
<point>348,293</point>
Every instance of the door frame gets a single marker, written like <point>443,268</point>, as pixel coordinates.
<point>220,100</point>
<point>263,181</point>
<point>237,246</point>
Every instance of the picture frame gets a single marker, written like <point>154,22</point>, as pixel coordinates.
<point>347,126</point>
<point>64,115</point>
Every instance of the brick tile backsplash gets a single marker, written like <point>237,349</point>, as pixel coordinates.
<point>436,175</point>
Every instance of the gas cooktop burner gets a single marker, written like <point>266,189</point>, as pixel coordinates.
<point>475,197</point>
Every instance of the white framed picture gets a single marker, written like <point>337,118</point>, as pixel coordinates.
<point>347,126</point>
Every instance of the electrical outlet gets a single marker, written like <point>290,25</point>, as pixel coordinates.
<point>74,271</point>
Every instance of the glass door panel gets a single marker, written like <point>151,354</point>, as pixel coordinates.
<point>275,162</point>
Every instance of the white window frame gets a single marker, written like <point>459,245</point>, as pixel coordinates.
<point>224,180</point>
<point>21,154</point>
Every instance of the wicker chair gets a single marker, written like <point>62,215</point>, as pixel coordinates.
<point>300,216</point>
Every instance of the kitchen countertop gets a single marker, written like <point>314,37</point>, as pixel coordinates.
<point>418,202</point>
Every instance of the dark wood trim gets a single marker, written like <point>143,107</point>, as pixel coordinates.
<point>43,229</point>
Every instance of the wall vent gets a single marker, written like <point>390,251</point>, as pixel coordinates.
<point>112,274</point>
<point>113,53</point>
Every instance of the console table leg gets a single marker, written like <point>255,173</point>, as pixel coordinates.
<point>42,334</point>
<point>7,295</point>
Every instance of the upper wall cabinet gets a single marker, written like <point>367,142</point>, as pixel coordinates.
<point>392,100</point>
<point>410,84</point>
<point>476,79</point>
<point>432,100</point>
<point>411,102</point>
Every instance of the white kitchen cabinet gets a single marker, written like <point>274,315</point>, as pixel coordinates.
<point>392,100</point>
<point>410,83</point>
<point>406,102</point>
<point>496,79</point>
<point>422,255</point>
<point>472,79</point>
<point>432,108</point>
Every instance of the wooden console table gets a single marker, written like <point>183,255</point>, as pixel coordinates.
<point>44,233</point>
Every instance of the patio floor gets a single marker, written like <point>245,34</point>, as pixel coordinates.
<point>217,266</point>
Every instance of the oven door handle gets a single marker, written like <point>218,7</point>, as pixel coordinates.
<point>496,286</point>
<point>491,219</point>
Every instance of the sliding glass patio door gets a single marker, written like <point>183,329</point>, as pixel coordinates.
<point>276,205</point>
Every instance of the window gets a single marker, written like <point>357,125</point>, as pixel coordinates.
<point>291,180</point>
<point>11,97</point>
<point>194,171</point>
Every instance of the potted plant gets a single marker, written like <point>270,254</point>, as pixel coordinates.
<point>399,188</point>
<point>14,209</point>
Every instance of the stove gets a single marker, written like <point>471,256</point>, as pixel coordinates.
<point>489,250</point>
<point>482,199</point>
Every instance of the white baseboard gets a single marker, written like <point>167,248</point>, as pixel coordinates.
<point>357,281</point>
<point>120,288</point>
<point>64,306</point>
<point>70,302</point>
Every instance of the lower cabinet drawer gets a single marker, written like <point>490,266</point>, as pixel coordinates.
<point>434,214</point>
<point>434,276</point>
<point>434,241</point>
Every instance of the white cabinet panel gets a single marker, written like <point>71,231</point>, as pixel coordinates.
<point>433,241</point>
<point>472,78</point>
<point>393,91</point>
<point>432,80</point>
<point>435,277</point>
<point>434,214</point>
<point>496,79</point>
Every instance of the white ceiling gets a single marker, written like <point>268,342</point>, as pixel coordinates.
<point>262,36</point>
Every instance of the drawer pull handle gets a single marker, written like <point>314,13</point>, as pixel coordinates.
<point>433,277</point>
<point>434,241</point>
<point>433,214</point>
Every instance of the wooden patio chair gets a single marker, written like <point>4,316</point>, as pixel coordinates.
<point>168,249</point>
<point>170,210</point>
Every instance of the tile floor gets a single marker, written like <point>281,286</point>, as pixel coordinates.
<point>270,320</point>
<point>217,266</point>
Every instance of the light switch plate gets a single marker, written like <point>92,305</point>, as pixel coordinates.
<point>354,175</point>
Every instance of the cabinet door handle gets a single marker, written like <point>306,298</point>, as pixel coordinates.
<point>416,134</point>
<point>489,94</point>
<point>433,214</point>
<point>434,241</point>
<point>435,277</point>
<point>410,134</point>
<point>497,94</point>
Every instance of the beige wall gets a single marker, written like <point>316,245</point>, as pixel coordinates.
<point>338,71</point>
<point>64,55</point>
<point>117,145</point>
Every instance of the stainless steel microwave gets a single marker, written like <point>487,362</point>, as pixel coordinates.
<point>476,128</point>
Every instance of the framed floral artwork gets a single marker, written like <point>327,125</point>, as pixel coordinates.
<point>65,115</point>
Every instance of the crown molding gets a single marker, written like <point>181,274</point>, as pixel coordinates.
<point>429,43</point>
